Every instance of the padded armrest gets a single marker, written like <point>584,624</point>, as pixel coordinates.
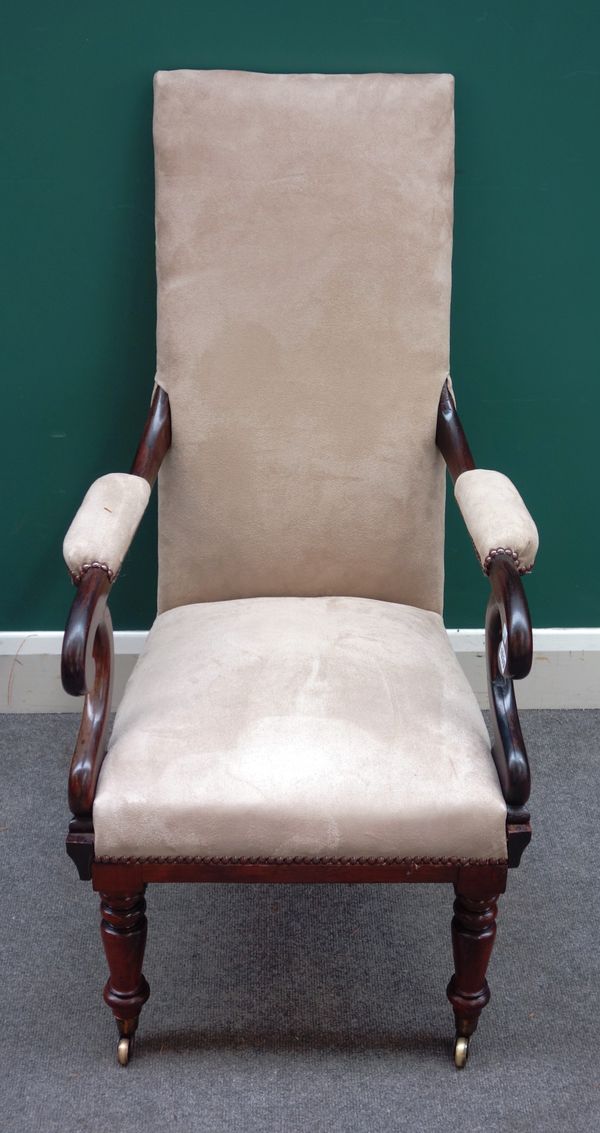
<point>103,528</point>
<point>496,518</point>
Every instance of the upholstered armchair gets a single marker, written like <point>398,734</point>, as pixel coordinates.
<point>298,714</point>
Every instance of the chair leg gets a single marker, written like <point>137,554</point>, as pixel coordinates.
<point>123,928</point>
<point>473,934</point>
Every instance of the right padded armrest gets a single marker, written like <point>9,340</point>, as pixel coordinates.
<point>103,528</point>
<point>496,518</point>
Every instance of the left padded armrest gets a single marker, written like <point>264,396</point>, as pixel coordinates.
<point>103,528</point>
<point>496,518</point>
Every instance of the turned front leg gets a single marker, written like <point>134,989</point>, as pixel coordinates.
<point>123,928</point>
<point>473,935</point>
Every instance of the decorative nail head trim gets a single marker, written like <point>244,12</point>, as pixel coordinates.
<point>344,861</point>
<point>514,555</point>
<point>78,575</point>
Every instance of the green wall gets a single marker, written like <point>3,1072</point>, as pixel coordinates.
<point>79,301</point>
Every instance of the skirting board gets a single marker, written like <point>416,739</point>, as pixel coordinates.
<point>565,674</point>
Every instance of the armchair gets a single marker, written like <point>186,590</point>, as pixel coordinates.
<point>298,714</point>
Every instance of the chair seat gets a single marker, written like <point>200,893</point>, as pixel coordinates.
<point>278,728</point>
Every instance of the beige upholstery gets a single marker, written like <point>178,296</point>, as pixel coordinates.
<point>496,517</point>
<point>106,522</point>
<point>292,727</point>
<point>304,238</point>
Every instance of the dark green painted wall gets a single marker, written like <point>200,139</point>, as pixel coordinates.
<point>78,307</point>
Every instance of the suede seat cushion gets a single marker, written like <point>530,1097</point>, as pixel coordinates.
<point>299,727</point>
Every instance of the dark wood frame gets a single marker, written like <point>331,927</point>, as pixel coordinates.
<point>87,661</point>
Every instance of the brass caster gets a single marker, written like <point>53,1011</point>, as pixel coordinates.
<point>125,1049</point>
<point>461,1052</point>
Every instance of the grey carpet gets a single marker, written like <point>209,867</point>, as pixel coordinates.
<point>309,1008</point>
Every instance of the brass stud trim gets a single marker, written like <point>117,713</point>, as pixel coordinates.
<point>514,555</point>
<point>76,576</point>
<point>342,861</point>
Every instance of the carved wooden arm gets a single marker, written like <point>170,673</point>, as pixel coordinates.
<point>86,669</point>
<point>509,647</point>
<point>87,653</point>
<point>509,651</point>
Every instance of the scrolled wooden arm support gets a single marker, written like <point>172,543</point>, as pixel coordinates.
<point>87,665</point>
<point>79,660</point>
<point>508,609</point>
<point>87,657</point>
<point>509,649</point>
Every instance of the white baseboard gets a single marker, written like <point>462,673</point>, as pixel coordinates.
<point>565,671</point>
<point>565,674</point>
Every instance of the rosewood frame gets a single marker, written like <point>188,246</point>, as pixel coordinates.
<point>87,660</point>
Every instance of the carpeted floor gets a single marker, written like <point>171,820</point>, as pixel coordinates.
<point>306,1009</point>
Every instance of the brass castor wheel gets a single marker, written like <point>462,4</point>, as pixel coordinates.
<point>461,1052</point>
<point>124,1049</point>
